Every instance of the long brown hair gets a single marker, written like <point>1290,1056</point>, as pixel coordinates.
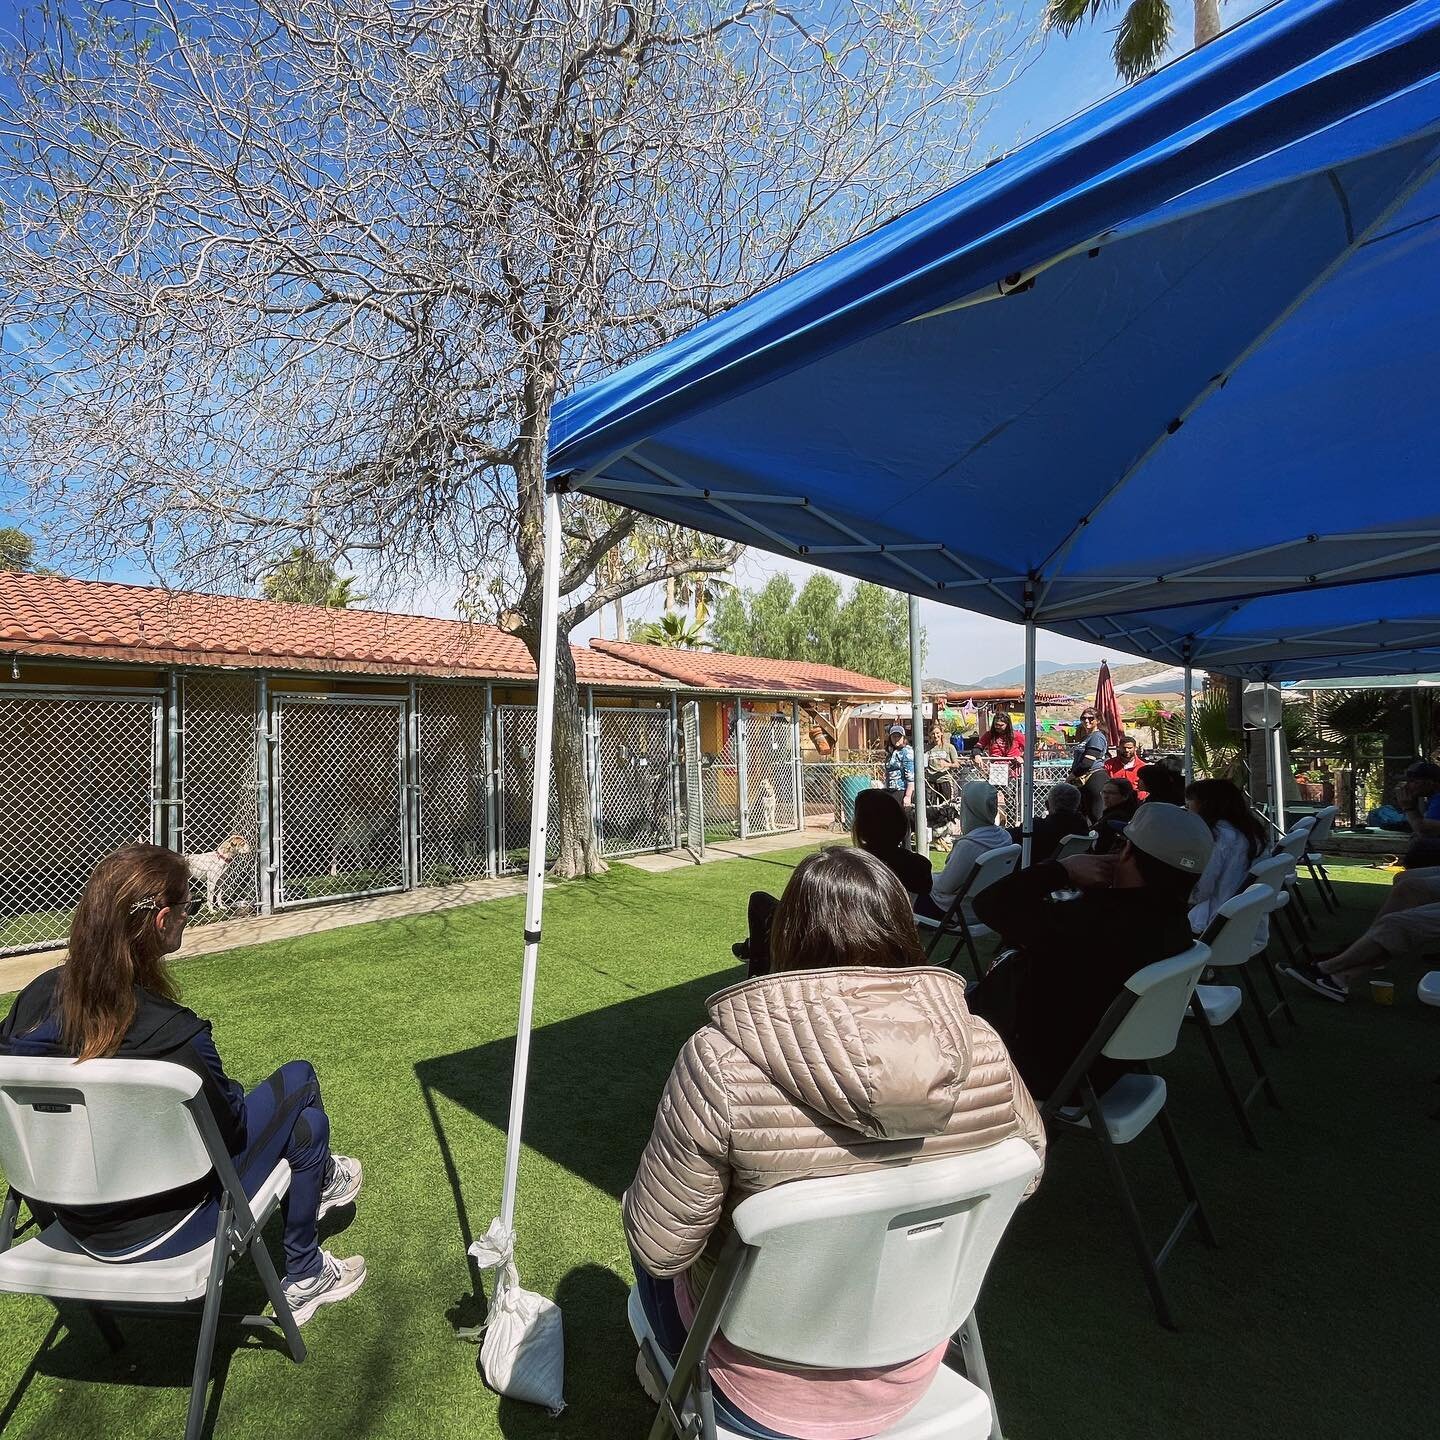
<point>843,907</point>
<point>115,946</point>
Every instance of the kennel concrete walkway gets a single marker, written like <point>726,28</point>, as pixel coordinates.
<point>18,970</point>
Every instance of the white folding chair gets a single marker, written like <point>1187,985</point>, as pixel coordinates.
<point>102,1132</point>
<point>847,1273</point>
<point>1294,845</point>
<point>1142,1024</point>
<point>1231,937</point>
<point>1277,874</point>
<point>1074,845</point>
<point>960,919</point>
<point>1314,856</point>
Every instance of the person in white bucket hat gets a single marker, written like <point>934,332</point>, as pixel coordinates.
<point>1080,928</point>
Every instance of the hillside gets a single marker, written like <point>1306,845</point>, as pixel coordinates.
<point>1065,678</point>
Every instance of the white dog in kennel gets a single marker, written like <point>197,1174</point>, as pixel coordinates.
<point>211,866</point>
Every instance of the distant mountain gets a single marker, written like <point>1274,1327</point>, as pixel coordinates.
<point>1061,677</point>
<point>1016,674</point>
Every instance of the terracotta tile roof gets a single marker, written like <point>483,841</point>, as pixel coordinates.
<point>95,620</point>
<point>707,670</point>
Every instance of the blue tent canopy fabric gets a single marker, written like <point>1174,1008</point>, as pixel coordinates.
<point>1163,379</point>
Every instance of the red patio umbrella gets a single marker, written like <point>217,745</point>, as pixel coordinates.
<point>1107,710</point>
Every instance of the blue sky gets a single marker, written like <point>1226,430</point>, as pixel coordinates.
<point>1062,76</point>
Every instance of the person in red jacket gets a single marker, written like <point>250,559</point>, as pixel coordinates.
<point>1000,742</point>
<point>1126,765</point>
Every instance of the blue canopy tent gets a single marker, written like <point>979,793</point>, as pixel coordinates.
<point>1162,379</point>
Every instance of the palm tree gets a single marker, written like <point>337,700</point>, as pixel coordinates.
<point>672,631</point>
<point>303,578</point>
<point>1145,30</point>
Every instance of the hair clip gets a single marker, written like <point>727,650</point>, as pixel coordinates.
<point>148,903</point>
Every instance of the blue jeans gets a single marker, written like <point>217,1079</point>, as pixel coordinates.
<point>657,1300</point>
<point>284,1120</point>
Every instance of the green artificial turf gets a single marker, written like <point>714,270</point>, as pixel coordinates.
<point>1316,1318</point>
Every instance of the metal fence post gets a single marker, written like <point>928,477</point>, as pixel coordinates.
<point>797,769</point>
<point>264,799</point>
<point>491,768</point>
<point>592,762</point>
<point>675,763</point>
<point>742,773</point>
<point>412,789</point>
<point>172,816</point>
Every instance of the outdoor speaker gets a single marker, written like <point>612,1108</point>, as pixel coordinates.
<point>1262,705</point>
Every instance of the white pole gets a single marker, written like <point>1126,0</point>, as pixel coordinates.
<point>1277,753</point>
<point>1027,771</point>
<point>539,822</point>
<point>1189,732</point>
<point>917,725</point>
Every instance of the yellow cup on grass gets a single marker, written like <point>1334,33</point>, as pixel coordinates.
<point>1382,992</point>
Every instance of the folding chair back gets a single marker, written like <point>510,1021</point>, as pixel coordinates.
<point>1323,824</point>
<point>1232,939</point>
<point>1294,844</point>
<point>872,1269</point>
<point>1074,845</point>
<point>993,865</point>
<point>1274,873</point>
<point>1151,1028</point>
<point>98,1132</point>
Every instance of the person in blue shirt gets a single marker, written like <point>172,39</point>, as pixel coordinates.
<point>899,766</point>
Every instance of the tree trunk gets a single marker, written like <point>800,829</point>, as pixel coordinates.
<point>1207,21</point>
<point>619,610</point>
<point>579,850</point>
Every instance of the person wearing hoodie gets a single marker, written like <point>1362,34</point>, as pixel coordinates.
<point>979,831</point>
<point>850,1055</point>
<point>114,996</point>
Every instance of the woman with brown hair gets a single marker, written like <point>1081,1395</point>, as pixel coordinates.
<point>115,996</point>
<point>852,1054</point>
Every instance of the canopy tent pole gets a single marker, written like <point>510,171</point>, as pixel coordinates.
<point>1277,753</point>
<point>1189,730</point>
<point>539,822</point>
<point>1027,764</point>
<point>917,725</point>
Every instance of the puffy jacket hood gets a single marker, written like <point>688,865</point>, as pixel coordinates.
<point>882,1052</point>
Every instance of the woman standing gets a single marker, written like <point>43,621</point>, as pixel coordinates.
<point>115,996</point>
<point>1000,742</point>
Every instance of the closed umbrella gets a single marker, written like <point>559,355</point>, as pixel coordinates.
<point>1107,711</point>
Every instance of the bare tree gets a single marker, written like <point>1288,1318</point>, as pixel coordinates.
<point>283,273</point>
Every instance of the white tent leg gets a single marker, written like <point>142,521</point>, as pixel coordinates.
<point>1027,770</point>
<point>1277,761</point>
<point>917,723</point>
<point>1189,731</point>
<point>539,823</point>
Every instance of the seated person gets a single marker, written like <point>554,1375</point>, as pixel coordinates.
<point>1062,817</point>
<point>1161,782</point>
<point>1406,927</point>
<point>979,831</point>
<point>115,996</point>
<point>1418,798</point>
<point>1240,841</point>
<point>1120,802</point>
<point>1126,764</point>
<point>767,1092</point>
<point>881,829</point>
<point>1074,953</point>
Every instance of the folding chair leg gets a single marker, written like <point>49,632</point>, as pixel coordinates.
<point>1253,992</point>
<point>972,1362</point>
<point>209,1325</point>
<point>1306,919</point>
<point>1227,1080</point>
<point>1320,890</point>
<point>1133,1222</point>
<point>1282,1000</point>
<point>1187,1184</point>
<point>261,1258</point>
<point>1262,1076</point>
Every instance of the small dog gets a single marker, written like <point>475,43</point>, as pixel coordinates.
<point>211,866</point>
<point>767,806</point>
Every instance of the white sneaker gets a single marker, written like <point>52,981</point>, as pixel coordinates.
<point>336,1280</point>
<point>343,1185</point>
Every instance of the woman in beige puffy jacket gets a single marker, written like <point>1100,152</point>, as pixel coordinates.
<point>851,1054</point>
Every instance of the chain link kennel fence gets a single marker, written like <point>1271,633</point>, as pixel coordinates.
<point>340,811</point>
<point>80,775</point>
<point>454,784</point>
